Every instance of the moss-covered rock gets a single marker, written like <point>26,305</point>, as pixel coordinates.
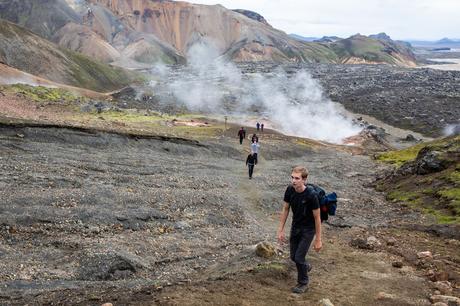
<point>426,177</point>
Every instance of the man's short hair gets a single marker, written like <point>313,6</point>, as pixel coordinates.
<point>302,170</point>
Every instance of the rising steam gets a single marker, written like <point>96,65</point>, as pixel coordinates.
<point>295,104</point>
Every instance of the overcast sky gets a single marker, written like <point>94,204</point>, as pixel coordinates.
<point>401,19</point>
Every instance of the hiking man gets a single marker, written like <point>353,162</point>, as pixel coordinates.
<point>255,149</point>
<point>250,162</point>
<point>306,224</point>
<point>241,134</point>
<point>262,127</point>
<point>257,126</point>
<point>254,138</point>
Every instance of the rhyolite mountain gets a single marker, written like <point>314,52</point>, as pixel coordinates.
<point>135,34</point>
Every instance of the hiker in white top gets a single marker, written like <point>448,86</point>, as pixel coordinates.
<point>255,149</point>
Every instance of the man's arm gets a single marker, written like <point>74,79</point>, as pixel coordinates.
<point>283,217</point>
<point>318,244</point>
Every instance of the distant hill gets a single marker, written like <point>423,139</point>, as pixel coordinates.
<point>328,39</point>
<point>442,43</point>
<point>302,38</point>
<point>28,52</point>
<point>448,41</point>
<point>362,49</point>
<point>381,36</point>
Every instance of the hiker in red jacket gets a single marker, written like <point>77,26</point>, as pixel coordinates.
<point>306,224</point>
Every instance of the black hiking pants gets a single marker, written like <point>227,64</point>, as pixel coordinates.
<point>300,241</point>
<point>241,140</point>
<point>255,158</point>
<point>251,170</point>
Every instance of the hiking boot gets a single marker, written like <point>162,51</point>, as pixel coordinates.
<point>300,288</point>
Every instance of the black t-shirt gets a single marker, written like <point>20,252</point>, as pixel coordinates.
<point>302,205</point>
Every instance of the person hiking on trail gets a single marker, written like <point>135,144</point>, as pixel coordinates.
<point>306,224</point>
<point>262,127</point>
<point>250,162</point>
<point>257,126</point>
<point>255,149</point>
<point>241,134</point>
<point>254,138</point>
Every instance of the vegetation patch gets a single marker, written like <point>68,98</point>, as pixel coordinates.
<point>43,94</point>
<point>436,193</point>
<point>398,158</point>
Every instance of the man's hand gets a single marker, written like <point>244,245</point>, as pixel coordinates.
<point>281,237</point>
<point>318,245</point>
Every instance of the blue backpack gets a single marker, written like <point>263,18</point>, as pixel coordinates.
<point>327,201</point>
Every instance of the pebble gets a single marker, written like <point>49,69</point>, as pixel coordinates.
<point>325,302</point>
<point>425,254</point>
<point>397,264</point>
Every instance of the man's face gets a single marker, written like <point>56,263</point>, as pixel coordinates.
<point>297,180</point>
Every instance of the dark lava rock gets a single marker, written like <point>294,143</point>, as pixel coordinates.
<point>111,266</point>
<point>410,137</point>
<point>429,161</point>
<point>397,264</point>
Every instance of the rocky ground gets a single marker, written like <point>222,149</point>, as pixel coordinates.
<point>89,217</point>
<point>137,208</point>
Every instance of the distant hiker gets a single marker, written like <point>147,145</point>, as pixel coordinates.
<point>255,149</point>
<point>306,224</point>
<point>241,134</point>
<point>257,126</point>
<point>250,162</point>
<point>254,138</point>
<point>262,127</point>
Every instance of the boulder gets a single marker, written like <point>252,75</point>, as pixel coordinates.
<point>429,161</point>
<point>265,249</point>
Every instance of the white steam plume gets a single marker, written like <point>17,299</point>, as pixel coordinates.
<point>295,104</point>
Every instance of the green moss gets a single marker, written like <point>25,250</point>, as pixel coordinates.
<point>440,217</point>
<point>453,196</point>
<point>198,131</point>
<point>400,157</point>
<point>438,193</point>
<point>454,176</point>
<point>43,94</point>
<point>403,196</point>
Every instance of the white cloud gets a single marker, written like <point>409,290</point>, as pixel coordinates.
<point>416,19</point>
